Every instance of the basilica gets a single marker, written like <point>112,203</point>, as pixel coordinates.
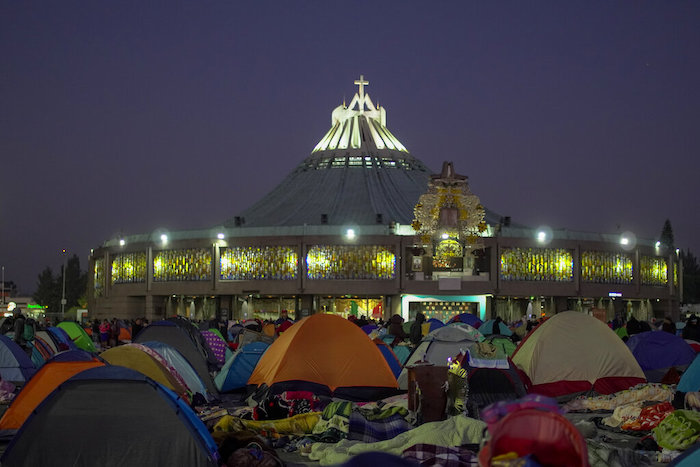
<point>363,227</point>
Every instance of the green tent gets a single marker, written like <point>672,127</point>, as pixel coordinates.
<point>503,343</point>
<point>78,335</point>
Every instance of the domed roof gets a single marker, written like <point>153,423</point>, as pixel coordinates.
<point>359,173</point>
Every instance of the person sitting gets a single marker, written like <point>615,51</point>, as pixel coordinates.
<point>396,329</point>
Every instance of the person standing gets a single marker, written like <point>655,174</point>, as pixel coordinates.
<point>19,323</point>
<point>105,329</point>
<point>416,332</point>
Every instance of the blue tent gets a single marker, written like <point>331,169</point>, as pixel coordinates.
<point>658,351</point>
<point>112,416</point>
<point>689,458</point>
<point>62,337</point>
<point>488,328</point>
<point>238,368</point>
<point>690,380</point>
<point>435,324</point>
<point>182,366</point>
<point>389,356</point>
<point>15,365</point>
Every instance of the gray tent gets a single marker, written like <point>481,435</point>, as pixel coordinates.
<point>170,333</point>
<point>111,416</point>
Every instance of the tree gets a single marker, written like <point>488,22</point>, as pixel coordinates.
<point>691,278</point>
<point>666,239</point>
<point>48,291</point>
<point>76,282</point>
<point>50,288</point>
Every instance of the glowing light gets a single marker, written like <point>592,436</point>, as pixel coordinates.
<point>122,242</point>
<point>350,234</point>
<point>164,239</point>
<point>624,241</point>
<point>658,244</point>
<point>445,236</point>
<point>220,236</point>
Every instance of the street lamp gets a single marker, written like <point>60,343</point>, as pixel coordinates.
<point>63,294</point>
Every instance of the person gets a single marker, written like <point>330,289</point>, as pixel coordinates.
<point>136,328</point>
<point>396,329</point>
<point>96,330</point>
<point>105,330</point>
<point>668,326</point>
<point>416,332</point>
<point>18,327</point>
<point>115,329</point>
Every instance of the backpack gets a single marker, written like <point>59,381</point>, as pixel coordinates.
<point>29,331</point>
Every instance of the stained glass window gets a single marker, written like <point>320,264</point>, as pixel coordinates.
<point>129,268</point>
<point>259,263</point>
<point>347,262</point>
<point>193,264</point>
<point>653,270</point>
<point>537,264</point>
<point>603,267</point>
<point>98,277</point>
<point>675,274</point>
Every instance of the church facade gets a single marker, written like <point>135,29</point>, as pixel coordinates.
<point>363,227</point>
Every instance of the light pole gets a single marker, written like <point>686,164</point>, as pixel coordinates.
<point>3,286</point>
<point>63,294</point>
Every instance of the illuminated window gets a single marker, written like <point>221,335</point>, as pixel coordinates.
<point>603,267</point>
<point>653,270</point>
<point>537,264</point>
<point>192,264</point>
<point>98,277</point>
<point>348,262</point>
<point>128,268</point>
<point>259,263</point>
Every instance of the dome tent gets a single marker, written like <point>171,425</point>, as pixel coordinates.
<point>327,354</point>
<point>573,352</point>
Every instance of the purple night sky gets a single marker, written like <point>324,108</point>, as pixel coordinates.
<point>130,116</point>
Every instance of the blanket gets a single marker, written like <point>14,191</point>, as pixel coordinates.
<point>371,430</point>
<point>655,392</point>
<point>455,431</point>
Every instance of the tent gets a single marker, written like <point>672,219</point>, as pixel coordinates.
<point>325,353</point>
<point>433,324</point>
<point>573,352</point>
<point>489,327</point>
<point>48,339</point>
<point>46,379</point>
<point>135,356</point>
<point>439,345</point>
<point>111,416</point>
<point>175,336</point>
<point>659,351</point>
<point>237,370</point>
<point>503,343</point>
<point>466,318</point>
<point>64,340</point>
<point>217,345</point>
<point>490,380</point>
<point>78,335</point>
<point>197,338</point>
<point>15,366</point>
<point>549,436</point>
<point>182,366</point>
<point>389,356</point>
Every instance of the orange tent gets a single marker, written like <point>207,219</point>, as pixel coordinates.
<point>328,353</point>
<point>48,378</point>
